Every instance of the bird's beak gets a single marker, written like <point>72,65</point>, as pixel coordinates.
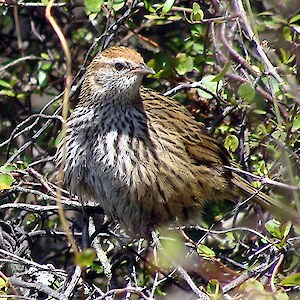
<point>143,70</point>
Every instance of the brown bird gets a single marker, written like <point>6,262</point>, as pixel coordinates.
<point>142,156</point>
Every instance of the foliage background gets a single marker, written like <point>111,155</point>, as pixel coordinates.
<point>235,65</point>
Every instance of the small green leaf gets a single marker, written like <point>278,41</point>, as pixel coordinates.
<point>222,73</point>
<point>6,181</point>
<point>292,280</point>
<point>42,76</point>
<point>5,84</point>
<point>197,14</point>
<point>273,226</point>
<point>294,19</point>
<point>86,257</point>
<point>285,229</point>
<point>287,34</point>
<point>45,56</point>
<point>8,93</point>
<point>271,83</point>
<point>167,6</point>
<point>251,285</point>
<point>214,289</point>
<point>246,92</point>
<point>210,85</point>
<point>281,295</point>
<point>3,284</point>
<point>153,17</point>
<point>296,123</point>
<point>148,6</point>
<point>174,18</point>
<point>58,139</point>
<point>118,4</point>
<point>183,63</point>
<point>46,66</point>
<point>231,142</point>
<point>93,5</point>
<point>8,168</point>
<point>205,251</point>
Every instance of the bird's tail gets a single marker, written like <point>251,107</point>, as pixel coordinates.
<point>279,210</point>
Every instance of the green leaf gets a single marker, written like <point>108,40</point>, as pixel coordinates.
<point>287,34</point>
<point>46,66</point>
<point>86,257</point>
<point>174,18</point>
<point>222,73</point>
<point>294,19</point>
<point>3,284</point>
<point>8,168</point>
<point>214,289</point>
<point>246,92</point>
<point>285,229</point>
<point>45,56</point>
<point>183,63</point>
<point>153,17</point>
<point>197,14</point>
<point>205,251</point>
<point>208,83</point>
<point>281,295</point>
<point>296,123</point>
<point>148,6</point>
<point>273,226</point>
<point>118,4</point>
<point>292,280</point>
<point>167,6</point>
<point>8,93</point>
<point>231,142</point>
<point>93,5</point>
<point>58,139</point>
<point>5,84</point>
<point>42,76</point>
<point>272,83</point>
<point>6,181</point>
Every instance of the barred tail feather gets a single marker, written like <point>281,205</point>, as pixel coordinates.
<point>281,211</point>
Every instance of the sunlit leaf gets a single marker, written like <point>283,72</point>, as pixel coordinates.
<point>86,257</point>
<point>5,84</point>
<point>118,4</point>
<point>231,142</point>
<point>167,6</point>
<point>287,34</point>
<point>183,63</point>
<point>273,226</point>
<point>296,123</point>
<point>209,84</point>
<point>294,19</point>
<point>8,168</point>
<point>93,5</point>
<point>292,280</point>
<point>6,180</point>
<point>197,13</point>
<point>205,251</point>
<point>42,76</point>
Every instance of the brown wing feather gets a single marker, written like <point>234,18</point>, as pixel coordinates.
<point>205,150</point>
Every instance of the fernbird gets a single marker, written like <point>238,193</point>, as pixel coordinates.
<point>140,155</point>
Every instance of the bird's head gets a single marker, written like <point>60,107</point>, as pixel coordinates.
<point>116,74</point>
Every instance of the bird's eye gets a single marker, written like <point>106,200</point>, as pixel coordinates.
<point>119,66</point>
